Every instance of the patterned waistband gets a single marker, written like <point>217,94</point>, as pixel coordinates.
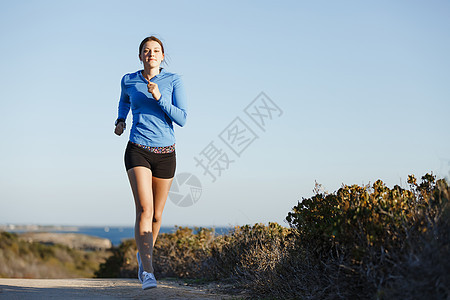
<point>166,149</point>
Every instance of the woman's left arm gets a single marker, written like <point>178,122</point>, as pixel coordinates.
<point>176,108</point>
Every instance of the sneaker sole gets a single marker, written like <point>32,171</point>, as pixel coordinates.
<point>148,287</point>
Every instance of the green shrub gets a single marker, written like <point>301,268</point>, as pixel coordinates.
<point>246,250</point>
<point>370,233</point>
<point>178,254</point>
<point>182,253</point>
<point>122,262</point>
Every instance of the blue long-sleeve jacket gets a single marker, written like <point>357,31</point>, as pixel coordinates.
<point>152,119</point>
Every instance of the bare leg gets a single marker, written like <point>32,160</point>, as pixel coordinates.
<point>161,189</point>
<point>141,185</point>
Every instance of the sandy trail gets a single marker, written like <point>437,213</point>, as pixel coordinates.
<point>87,288</point>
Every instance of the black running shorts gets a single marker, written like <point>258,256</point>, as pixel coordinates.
<point>162,165</point>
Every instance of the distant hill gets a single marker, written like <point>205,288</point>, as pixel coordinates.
<point>71,240</point>
<point>26,257</point>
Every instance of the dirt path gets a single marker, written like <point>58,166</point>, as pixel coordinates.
<point>101,289</point>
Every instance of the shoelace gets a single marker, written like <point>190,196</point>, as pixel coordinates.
<point>147,275</point>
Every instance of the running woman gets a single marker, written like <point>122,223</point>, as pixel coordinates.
<point>157,100</point>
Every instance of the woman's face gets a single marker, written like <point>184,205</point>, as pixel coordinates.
<point>151,54</point>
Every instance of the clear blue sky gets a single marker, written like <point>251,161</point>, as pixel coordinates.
<point>363,87</point>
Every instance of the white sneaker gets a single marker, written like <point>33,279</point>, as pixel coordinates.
<point>149,280</point>
<point>141,268</point>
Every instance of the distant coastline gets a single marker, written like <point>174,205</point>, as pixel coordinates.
<point>34,227</point>
<point>116,234</point>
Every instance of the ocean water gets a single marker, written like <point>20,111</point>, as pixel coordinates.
<point>118,234</point>
<point>115,234</point>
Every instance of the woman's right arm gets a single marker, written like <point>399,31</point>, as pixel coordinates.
<point>124,108</point>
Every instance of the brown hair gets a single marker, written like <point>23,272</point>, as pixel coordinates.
<point>150,38</point>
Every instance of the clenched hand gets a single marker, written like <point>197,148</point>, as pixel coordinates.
<point>154,90</point>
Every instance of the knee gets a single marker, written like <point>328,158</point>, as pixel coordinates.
<point>146,213</point>
<point>157,218</point>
